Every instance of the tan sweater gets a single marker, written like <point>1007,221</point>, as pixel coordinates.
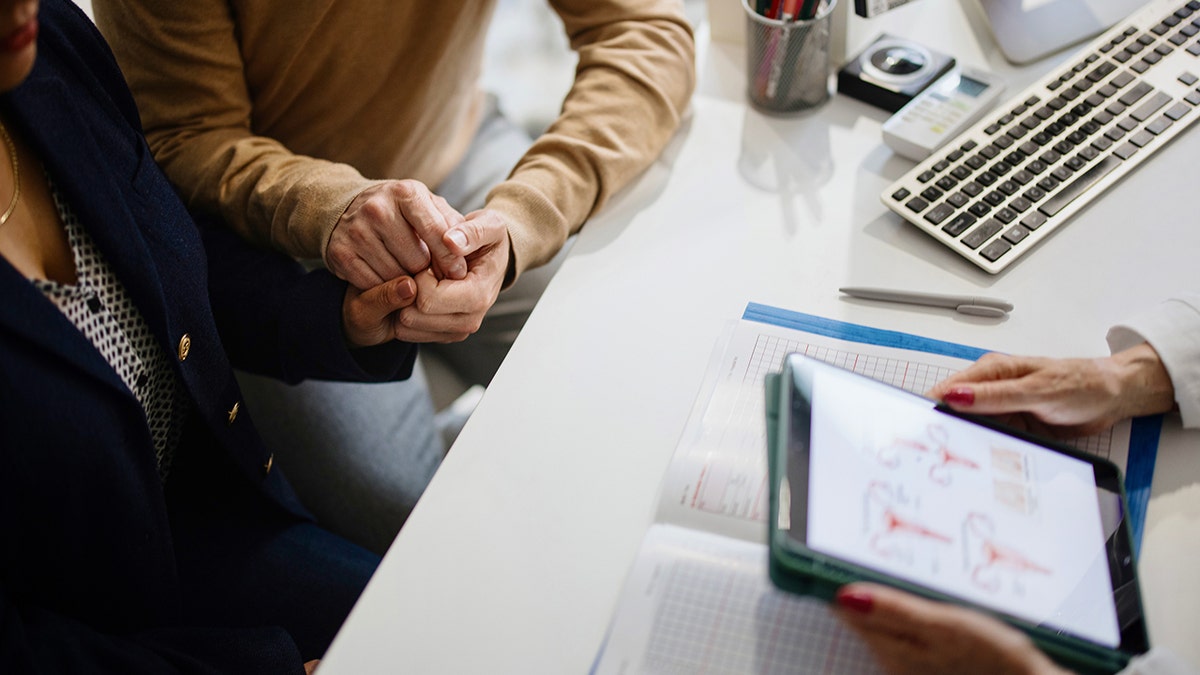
<point>274,114</point>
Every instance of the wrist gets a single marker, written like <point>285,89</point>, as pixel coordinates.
<point>1144,386</point>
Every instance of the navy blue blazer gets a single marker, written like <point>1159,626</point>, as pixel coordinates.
<point>87,570</point>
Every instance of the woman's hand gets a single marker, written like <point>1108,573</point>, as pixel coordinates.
<point>908,634</point>
<point>372,317</point>
<point>1062,397</point>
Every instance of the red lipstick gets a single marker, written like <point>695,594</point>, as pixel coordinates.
<point>20,38</point>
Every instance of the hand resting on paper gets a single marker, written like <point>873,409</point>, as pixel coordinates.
<point>1061,398</point>
<point>908,634</point>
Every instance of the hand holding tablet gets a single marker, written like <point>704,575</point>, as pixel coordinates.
<point>869,482</point>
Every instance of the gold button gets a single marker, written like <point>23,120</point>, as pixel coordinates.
<point>185,346</point>
<point>233,412</point>
<point>270,463</point>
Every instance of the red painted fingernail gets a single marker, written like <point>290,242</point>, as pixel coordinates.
<point>856,601</point>
<point>960,396</point>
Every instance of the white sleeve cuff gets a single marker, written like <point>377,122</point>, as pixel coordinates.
<point>1173,329</point>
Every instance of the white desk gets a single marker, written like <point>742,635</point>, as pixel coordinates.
<point>513,560</point>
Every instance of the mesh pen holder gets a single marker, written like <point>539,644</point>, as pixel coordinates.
<point>787,62</point>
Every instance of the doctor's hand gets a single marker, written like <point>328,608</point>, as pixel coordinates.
<point>908,634</point>
<point>448,309</point>
<point>393,229</point>
<point>1061,397</point>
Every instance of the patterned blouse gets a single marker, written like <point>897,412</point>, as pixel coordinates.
<point>100,307</point>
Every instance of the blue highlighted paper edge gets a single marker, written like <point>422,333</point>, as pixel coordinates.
<point>1143,437</point>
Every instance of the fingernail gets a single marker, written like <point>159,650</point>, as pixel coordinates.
<point>458,237</point>
<point>406,290</point>
<point>960,396</point>
<point>856,601</point>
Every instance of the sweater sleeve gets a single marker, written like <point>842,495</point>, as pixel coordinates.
<point>634,79</point>
<point>1173,329</point>
<point>183,63</point>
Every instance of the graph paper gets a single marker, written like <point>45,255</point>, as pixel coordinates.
<point>717,479</point>
<point>700,603</point>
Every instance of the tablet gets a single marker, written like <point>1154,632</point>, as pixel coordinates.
<point>870,482</point>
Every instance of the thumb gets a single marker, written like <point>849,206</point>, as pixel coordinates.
<point>480,230</point>
<point>385,298</point>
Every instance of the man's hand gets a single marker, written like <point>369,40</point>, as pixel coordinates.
<point>448,310</point>
<point>394,229</point>
<point>1062,397</point>
<point>371,317</point>
<point>908,634</point>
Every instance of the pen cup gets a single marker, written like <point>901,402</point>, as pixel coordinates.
<point>788,67</point>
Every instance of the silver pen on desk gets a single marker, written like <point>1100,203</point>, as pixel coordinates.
<point>963,304</point>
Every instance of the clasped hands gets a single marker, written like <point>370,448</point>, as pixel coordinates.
<point>418,270</point>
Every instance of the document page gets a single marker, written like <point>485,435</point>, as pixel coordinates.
<point>717,479</point>
<point>702,603</point>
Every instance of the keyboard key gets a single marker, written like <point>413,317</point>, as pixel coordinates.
<point>972,189</point>
<point>1101,71</point>
<point>1033,221</point>
<point>1125,151</point>
<point>1037,166</point>
<point>1142,138</point>
<point>1121,79</point>
<point>1101,144</point>
<point>1008,187</point>
<point>986,178</point>
<point>1177,111</point>
<point>946,182</point>
<point>958,199</point>
<point>1135,94</point>
<point>1006,215</point>
<point>1193,98</point>
<point>960,172</point>
<point>1022,177</point>
<point>959,224</point>
<point>982,233</point>
<point>1062,173</point>
<point>979,209</point>
<point>995,198</point>
<point>1159,125</point>
<point>917,204</point>
<point>931,193</point>
<point>926,176</point>
<point>900,194</point>
<point>1078,186</point>
<point>1020,204</point>
<point>1146,110</point>
<point>1048,183</point>
<point>994,250</point>
<point>939,213</point>
<point>1035,194</point>
<point>1016,234</point>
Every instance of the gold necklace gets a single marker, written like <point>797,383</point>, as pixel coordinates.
<point>16,169</point>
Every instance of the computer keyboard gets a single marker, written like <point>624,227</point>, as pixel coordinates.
<point>1019,174</point>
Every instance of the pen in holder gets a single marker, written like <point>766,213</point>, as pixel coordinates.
<point>788,63</point>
